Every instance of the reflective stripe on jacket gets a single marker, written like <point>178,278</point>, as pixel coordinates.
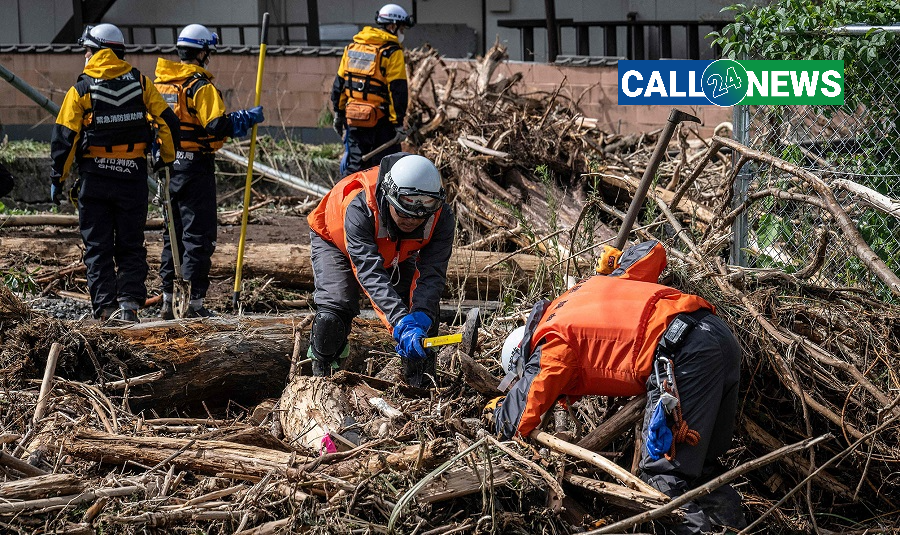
<point>105,121</point>
<point>373,69</point>
<point>189,91</point>
<point>353,217</point>
<point>598,338</point>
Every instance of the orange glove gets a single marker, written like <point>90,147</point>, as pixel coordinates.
<point>609,260</point>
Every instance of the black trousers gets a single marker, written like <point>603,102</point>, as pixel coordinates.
<point>361,141</point>
<point>707,373</point>
<point>194,206</point>
<point>112,213</point>
<point>338,291</point>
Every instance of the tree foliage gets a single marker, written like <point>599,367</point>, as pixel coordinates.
<point>805,29</point>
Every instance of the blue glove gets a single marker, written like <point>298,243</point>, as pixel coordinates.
<point>243,120</point>
<point>409,333</point>
<point>659,436</point>
<point>56,192</point>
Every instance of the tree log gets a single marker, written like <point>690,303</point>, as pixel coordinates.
<point>33,488</point>
<point>244,359</point>
<point>478,377</point>
<point>462,481</point>
<point>423,456</point>
<point>618,495</point>
<point>610,429</point>
<point>290,265</point>
<point>209,457</point>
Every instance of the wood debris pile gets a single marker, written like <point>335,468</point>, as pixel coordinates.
<point>164,425</point>
<point>522,166</point>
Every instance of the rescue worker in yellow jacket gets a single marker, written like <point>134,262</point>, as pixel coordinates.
<point>370,95</point>
<point>625,335</point>
<point>385,230</point>
<point>188,88</point>
<point>106,124</point>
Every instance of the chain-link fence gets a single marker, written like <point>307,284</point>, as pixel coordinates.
<point>852,147</point>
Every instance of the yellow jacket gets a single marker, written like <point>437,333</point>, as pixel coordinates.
<point>388,83</point>
<point>105,121</point>
<point>189,91</point>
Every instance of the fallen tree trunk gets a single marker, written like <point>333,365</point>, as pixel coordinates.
<point>218,359</point>
<point>203,456</point>
<point>37,487</point>
<point>290,266</point>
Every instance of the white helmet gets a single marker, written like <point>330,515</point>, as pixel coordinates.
<point>102,36</point>
<point>413,187</point>
<point>509,355</point>
<point>393,14</point>
<point>197,36</point>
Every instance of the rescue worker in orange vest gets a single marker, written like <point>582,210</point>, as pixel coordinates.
<point>624,335</point>
<point>370,95</point>
<point>104,124</point>
<point>188,89</point>
<point>385,230</point>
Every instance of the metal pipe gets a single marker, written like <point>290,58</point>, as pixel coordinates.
<point>276,175</point>
<point>30,92</point>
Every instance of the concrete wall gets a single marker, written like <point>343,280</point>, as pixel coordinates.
<point>296,91</point>
<point>37,21</point>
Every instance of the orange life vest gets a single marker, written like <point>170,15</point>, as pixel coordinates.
<point>327,219</point>
<point>365,83</point>
<point>611,327</point>
<point>180,97</point>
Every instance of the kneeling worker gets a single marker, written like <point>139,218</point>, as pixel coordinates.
<point>385,230</point>
<point>624,335</point>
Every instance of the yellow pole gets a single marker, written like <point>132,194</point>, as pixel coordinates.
<point>235,299</point>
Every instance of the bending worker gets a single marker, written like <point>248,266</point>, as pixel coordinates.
<point>387,231</point>
<point>103,124</point>
<point>370,95</point>
<point>624,335</point>
<point>187,87</point>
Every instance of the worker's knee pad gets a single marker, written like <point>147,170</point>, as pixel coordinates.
<point>329,335</point>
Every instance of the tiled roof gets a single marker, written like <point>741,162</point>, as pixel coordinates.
<point>278,50</point>
<point>587,61</point>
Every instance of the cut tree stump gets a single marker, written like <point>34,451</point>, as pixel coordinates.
<point>310,408</point>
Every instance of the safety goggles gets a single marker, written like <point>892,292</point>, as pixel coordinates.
<point>418,204</point>
<point>88,40</point>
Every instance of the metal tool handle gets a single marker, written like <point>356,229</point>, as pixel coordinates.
<point>245,213</point>
<point>675,116</point>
